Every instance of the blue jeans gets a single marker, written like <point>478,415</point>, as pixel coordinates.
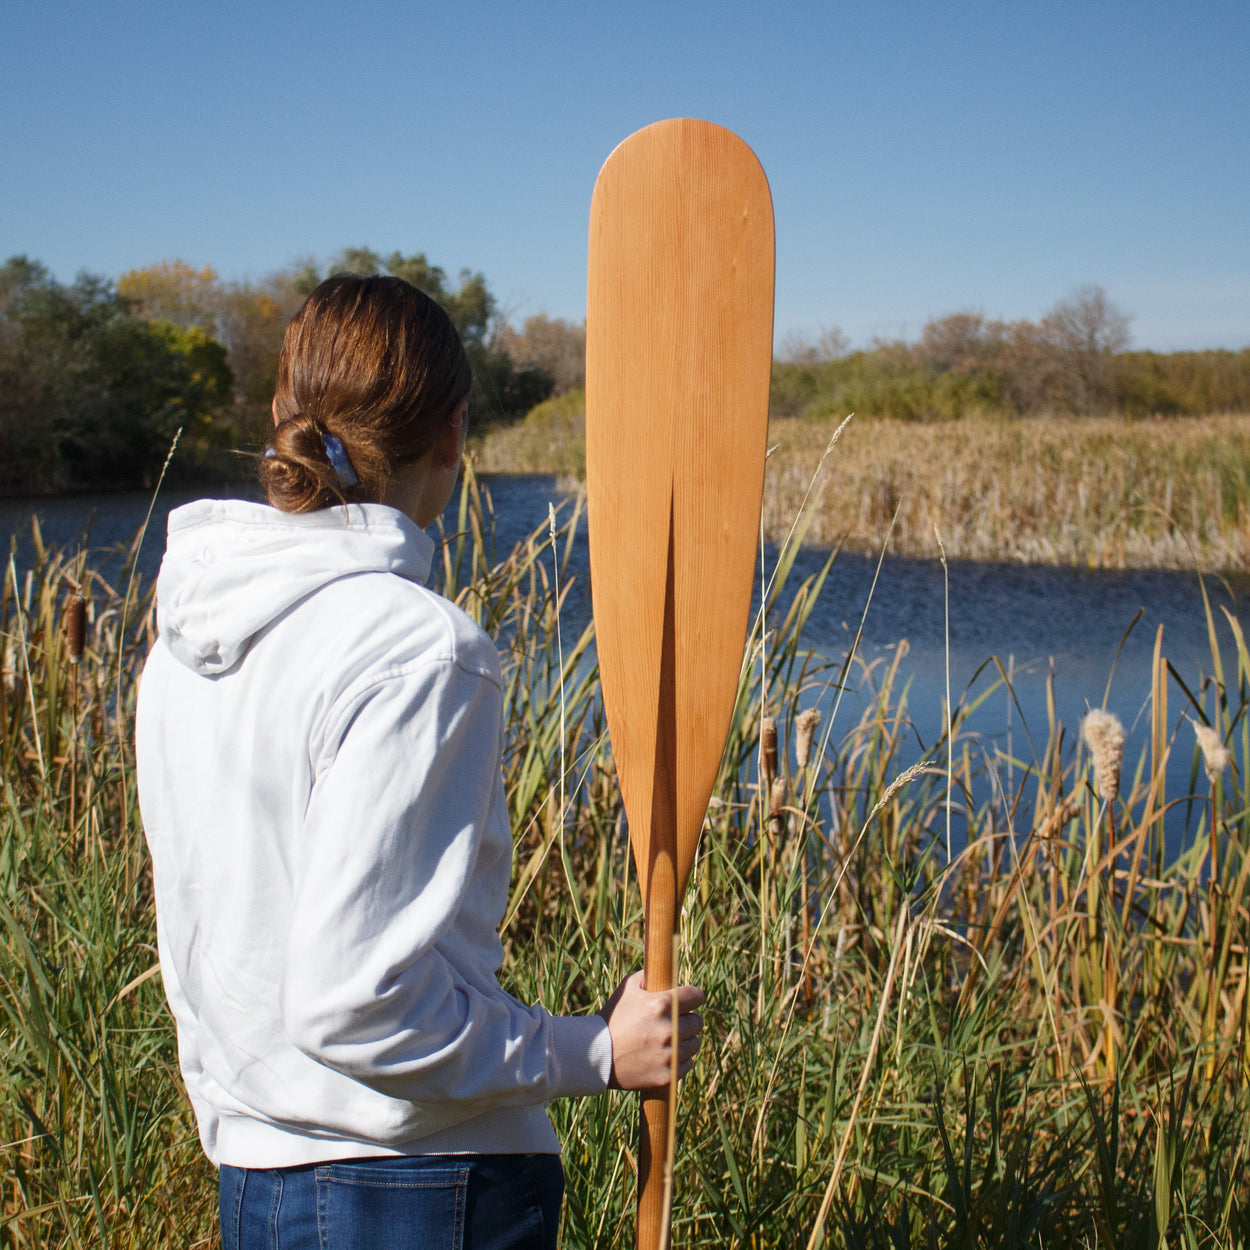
<point>414,1202</point>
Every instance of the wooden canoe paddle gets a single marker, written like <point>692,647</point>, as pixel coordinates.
<point>679,324</point>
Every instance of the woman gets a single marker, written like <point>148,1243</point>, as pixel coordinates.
<point>318,741</point>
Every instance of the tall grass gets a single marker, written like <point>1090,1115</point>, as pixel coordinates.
<point>1040,1042</point>
<point>97,1145</point>
<point>1100,492</point>
<point>1095,491</point>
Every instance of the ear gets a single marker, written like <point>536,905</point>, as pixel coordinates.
<point>452,438</point>
<point>273,407</point>
<point>447,447</point>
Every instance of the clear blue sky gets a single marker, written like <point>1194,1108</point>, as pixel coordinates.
<point>924,158</point>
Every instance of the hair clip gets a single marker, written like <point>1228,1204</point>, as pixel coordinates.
<point>339,462</point>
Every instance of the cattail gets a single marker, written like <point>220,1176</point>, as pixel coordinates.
<point>75,627</point>
<point>1104,735</point>
<point>809,722</point>
<point>1215,755</point>
<point>777,797</point>
<point>776,812</point>
<point>768,752</point>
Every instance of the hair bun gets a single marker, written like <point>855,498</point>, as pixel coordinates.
<point>294,470</point>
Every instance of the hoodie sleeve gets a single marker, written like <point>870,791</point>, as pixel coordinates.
<point>391,959</point>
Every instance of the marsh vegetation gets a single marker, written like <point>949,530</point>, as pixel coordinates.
<point>1039,1039</point>
<point>1100,492</point>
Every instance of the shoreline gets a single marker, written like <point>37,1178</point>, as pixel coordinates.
<point>1079,492</point>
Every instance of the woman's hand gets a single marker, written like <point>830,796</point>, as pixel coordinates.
<point>641,1025</point>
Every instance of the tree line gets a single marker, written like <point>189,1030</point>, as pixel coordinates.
<point>96,377</point>
<point>1073,362</point>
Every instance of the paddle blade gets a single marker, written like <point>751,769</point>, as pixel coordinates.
<point>678,354</point>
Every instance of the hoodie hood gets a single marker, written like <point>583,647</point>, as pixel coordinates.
<point>232,568</point>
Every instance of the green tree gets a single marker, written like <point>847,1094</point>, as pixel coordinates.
<point>30,353</point>
<point>469,304</point>
<point>502,389</point>
<point>92,394</point>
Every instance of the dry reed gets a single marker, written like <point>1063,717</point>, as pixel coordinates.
<point>1093,491</point>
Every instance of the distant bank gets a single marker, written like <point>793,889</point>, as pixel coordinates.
<point>1096,492</point>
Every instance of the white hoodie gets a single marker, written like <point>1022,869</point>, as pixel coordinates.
<point>318,741</point>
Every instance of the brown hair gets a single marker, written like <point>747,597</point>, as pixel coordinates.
<point>377,364</point>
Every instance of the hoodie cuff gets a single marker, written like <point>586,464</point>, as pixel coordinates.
<point>583,1052</point>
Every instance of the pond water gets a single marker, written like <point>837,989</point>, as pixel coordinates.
<point>1092,630</point>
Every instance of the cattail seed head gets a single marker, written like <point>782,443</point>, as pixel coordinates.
<point>1104,736</point>
<point>809,722</point>
<point>1216,757</point>
<point>75,627</point>
<point>777,796</point>
<point>768,751</point>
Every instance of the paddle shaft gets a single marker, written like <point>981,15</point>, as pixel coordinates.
<point>661,898</point>
<point>657,1110</point>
